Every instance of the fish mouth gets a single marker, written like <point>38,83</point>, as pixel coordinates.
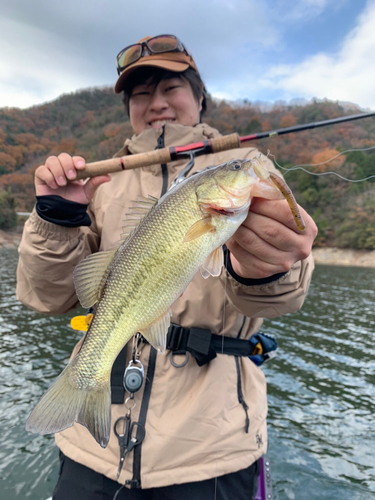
<point>226,211</point>
<point>236,192</point>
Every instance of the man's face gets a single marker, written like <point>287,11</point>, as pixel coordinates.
<point>170,101</point>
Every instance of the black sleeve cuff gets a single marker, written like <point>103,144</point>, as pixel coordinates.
<point>248,281</point>
<point>55,209</point>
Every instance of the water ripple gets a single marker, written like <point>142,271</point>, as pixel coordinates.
<point>321,390</point>
<point>33,349</point>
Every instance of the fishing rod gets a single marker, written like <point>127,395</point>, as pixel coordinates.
<point>166,155</point>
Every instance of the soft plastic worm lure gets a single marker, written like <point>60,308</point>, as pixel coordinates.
<point>288,195</point>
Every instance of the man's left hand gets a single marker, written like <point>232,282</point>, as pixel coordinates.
<point>268,242</point>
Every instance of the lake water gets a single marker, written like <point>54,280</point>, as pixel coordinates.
<point>321,390</point>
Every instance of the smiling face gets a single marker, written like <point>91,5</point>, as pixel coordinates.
<point>170,101</point>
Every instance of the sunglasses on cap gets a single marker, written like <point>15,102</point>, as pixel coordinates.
<point>156,45</point>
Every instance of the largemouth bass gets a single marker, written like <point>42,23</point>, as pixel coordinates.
<point>135,285</point>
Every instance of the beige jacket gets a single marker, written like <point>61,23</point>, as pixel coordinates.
<point>195,426</point>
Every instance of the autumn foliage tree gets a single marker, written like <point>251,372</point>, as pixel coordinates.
<point>93,124</point>
<point>8,217</point>
<point>7,163</point>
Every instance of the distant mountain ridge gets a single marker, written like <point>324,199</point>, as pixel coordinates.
<point>265,106</point>
<point>93,123</point>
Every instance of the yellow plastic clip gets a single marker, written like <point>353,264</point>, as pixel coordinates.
<point>89,317</point>
<point>258,349</point>
<point>81,323</point>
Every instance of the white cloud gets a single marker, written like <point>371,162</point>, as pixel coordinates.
<point>304,10</point>
<point>38,69</point>
<point>49,48</point>
<point>348,75</point>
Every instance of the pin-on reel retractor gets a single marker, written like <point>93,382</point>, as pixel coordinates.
<point>133,376</point>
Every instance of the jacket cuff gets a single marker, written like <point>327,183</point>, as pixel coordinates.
<point>55,209</point>
<point>49,230</point>
<point>248,281</point>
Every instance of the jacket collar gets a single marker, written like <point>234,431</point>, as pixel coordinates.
<point>174,135</point>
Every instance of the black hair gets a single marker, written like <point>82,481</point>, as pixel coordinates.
<point>153,76</point>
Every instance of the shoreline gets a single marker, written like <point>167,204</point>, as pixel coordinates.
<point>326,256</point>
<point>344,257</point>
<point>11,239</point>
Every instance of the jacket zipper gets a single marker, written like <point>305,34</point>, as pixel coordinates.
<point>241,399</point>
<point>164,168</point>
<point>136,481</point>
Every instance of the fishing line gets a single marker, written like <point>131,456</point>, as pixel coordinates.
<point>118,491</point>
<point>216,477</point>
<point>319,174</point>
<point>226,257</point>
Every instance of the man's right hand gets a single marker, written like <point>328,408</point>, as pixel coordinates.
<point>58,174</point>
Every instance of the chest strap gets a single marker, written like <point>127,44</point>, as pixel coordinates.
<point>204,345</point>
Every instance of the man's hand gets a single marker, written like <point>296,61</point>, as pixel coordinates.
<point>268,242</point>
<point>58,174</point>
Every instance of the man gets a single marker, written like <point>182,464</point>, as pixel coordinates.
<point>205,426</point>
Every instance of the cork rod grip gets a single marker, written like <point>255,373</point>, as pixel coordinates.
<point>226,142</point>
<point>155,157</point>
<point>125,163</point>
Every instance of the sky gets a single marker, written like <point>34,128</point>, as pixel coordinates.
<point>269,50</point>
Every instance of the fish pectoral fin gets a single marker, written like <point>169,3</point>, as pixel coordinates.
<point>90,275</point>
<point>213,264</point>
<point>199,228</point>
<point>156,333</point>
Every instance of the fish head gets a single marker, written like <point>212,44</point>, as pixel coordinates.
<point>226,188</point>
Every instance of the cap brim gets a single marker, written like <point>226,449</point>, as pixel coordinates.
<point>178,67</point>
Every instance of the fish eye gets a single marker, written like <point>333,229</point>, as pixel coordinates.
<point>235,166</point>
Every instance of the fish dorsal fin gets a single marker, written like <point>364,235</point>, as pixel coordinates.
<point>156,333</point>
<point>213,264</point>
<point>90,275</point>
<point>139,209</point>
<point>200,228</point>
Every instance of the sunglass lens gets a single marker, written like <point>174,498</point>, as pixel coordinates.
<point>129,55</point>
<point>161,44</point>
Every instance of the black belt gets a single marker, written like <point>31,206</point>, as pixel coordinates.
<point>204,345</point>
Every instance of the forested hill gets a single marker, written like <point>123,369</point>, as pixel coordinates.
<point>93,123</point>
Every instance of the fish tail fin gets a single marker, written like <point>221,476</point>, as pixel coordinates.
<point>65,403</point>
